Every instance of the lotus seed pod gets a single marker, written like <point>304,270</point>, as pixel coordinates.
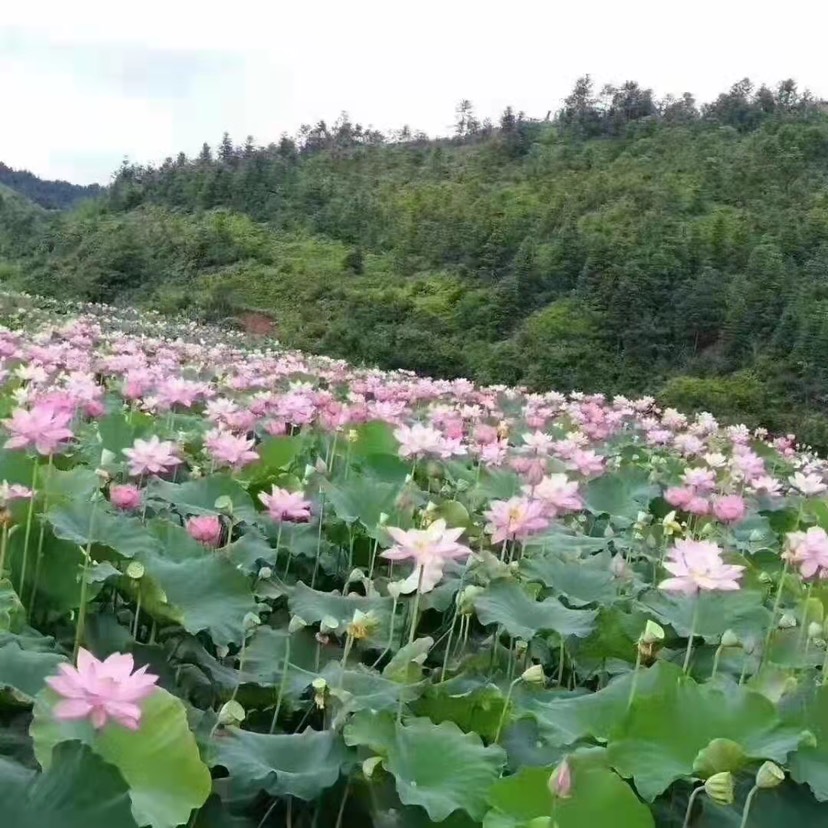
<point>328,624</point>
<point>224,504</point>
<point>319,684</point>
<point>296,624</point>
<point>356,575</point>
<point>787,621</point>
<point>770,775</point>
<point>135,570</point>
<point>533,675</point>
<point>719,788</point>
<point>251,621</point>
<point>265,573</point>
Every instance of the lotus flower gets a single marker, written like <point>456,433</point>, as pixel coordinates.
<point>698,566</point>
<point>102,690</point>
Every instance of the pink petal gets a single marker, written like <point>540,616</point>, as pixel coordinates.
<point>86,662</point>
<point>66,687</point>
<point>117,666</point>
<point>98,717</point>
<point>396,554</point>
<point>70,709</point>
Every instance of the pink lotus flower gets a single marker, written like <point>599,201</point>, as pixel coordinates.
<point>679,496</point>
<point>283,505</point>
<point>430,548</point>
<point>698,565</point>
<point>730,508</point>
<point>43,427</point>
<point>126,497</point>
<point>13,491</point>
<point>808,484</point>
<point>229,450</point>
<point>418,440</point>
<point>153,456</point>
<point>560,784</point>
<point>515,519</point>
<point>559,493</point>
<point>809,550</point>
<point>205,529</point>
<point>102,690</point>
<point>697,505</point>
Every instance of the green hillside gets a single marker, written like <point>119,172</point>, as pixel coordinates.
<point>627,245</point>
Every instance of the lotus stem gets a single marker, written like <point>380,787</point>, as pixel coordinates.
<point>87,556</point>
<point>634,685</point>
<point>502,719</point>
<point>282,685</point>
<point>693,625</point>
<point>29,518</point>
<point>748,802</point>
<point>690,803</point>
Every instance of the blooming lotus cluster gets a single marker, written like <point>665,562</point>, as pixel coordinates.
<point>809,551</point>
<point>101,691</point>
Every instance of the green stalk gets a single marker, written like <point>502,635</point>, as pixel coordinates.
<point>634,685</point>
<point>505,709</point>
<point>87,557</point>
<point>382,655</point>
<point>748,803</point>
<point>803,633</point>
<point>716,658</point>
<point>690,802</point>
<point>693,625</point>
<point>29,518</point>
<point>318,539</point>
<point>448,644</point>
<point>4,543</point>
<point>282,685</point>
<point>776,604</point>
<point>39,559</point>
<point>416,609</point>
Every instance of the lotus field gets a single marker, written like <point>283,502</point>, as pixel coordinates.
<point>242,587</point>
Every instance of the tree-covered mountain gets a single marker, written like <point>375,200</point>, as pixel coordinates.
<point>53,195</point>
<point>624,245</point>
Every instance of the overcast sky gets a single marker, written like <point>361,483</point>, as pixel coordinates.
<point>87,82</point>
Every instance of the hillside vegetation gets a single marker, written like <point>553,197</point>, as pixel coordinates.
<point>53,195</point>
<point>627,245</point>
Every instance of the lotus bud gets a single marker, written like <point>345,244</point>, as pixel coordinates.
<point>814,630</point>
<point>787,621</point>
<point>765,578</point>
<point>466,597</point>
<point>103,474</point>
<point>107,457</point>
<point>770,775</point>
<point>135,570</point>
<point>653,633</point>
<point>609,532</point>
<point>251,621</point>
<point>224,504</point>
<point>222,650</point>
<point>730,639</point>
<point>356,575</point>
<point>231,713</point>
<point>328,624</point>
<point>719,788</point>
<point>265,573</point>
<point>296,623</point>
<point>320,466</point>
<point>370,765</point>
<point>560,782</point>
<point>533,675</point>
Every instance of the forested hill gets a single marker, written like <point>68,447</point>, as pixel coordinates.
<point>53,195</point>
<point>624,245</point>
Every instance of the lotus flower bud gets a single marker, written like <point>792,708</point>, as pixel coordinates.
<point>533,675</point>
<point>231,713</point>
<point>560,782</point>
<point>787,621</point>
<point>769,775</point>
<point>296,624</point>
<point>251,621</point>
<point>224,504</point>
<point>265,573</point>
<point>730,639</point>
<point>328,624</point>
<point>370,765</point>
<point>356,575</point>
<point>719,788</point>
<point>653,633</point>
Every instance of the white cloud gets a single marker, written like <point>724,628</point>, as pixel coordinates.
<point>90,81</point>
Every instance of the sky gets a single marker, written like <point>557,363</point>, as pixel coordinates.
<point>88,82</point>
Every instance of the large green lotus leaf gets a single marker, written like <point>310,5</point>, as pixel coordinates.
<point>742,611</point>
<point>564,543</point>
<point>249,549</point>
<point>473,704</point>
<point>16,467</point>
<point>275,455</point>
<point>210,593</point>
<point>160,761</point>
<point>498,485</point>
<point>59,576</point>
<point>12,612</point>
<point>361,499</point>
<point>312,606</point>
<point>376,437</point>
<point>119,431</point>
<point>77,483</point>
<point>581,581</point>
<point>443,769</point>
<point>621,494</point>
<point>521,797</point>
<point>360,688</point>
<point>372,729</point>
<point>299,764</point>
<point>264,659</point>
<point>198,497</point>
<point>809,764</point>
<point>23,671</point>
<point>80,521</point>
<point>659,740</point>
<point>407,663</point>
<point>564,718</point>
<point>613,643</point>
<point>506,603</point>
<point>78,790</point>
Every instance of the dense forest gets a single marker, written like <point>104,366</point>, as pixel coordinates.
<point>53,195</point>
<point>625,244</point>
